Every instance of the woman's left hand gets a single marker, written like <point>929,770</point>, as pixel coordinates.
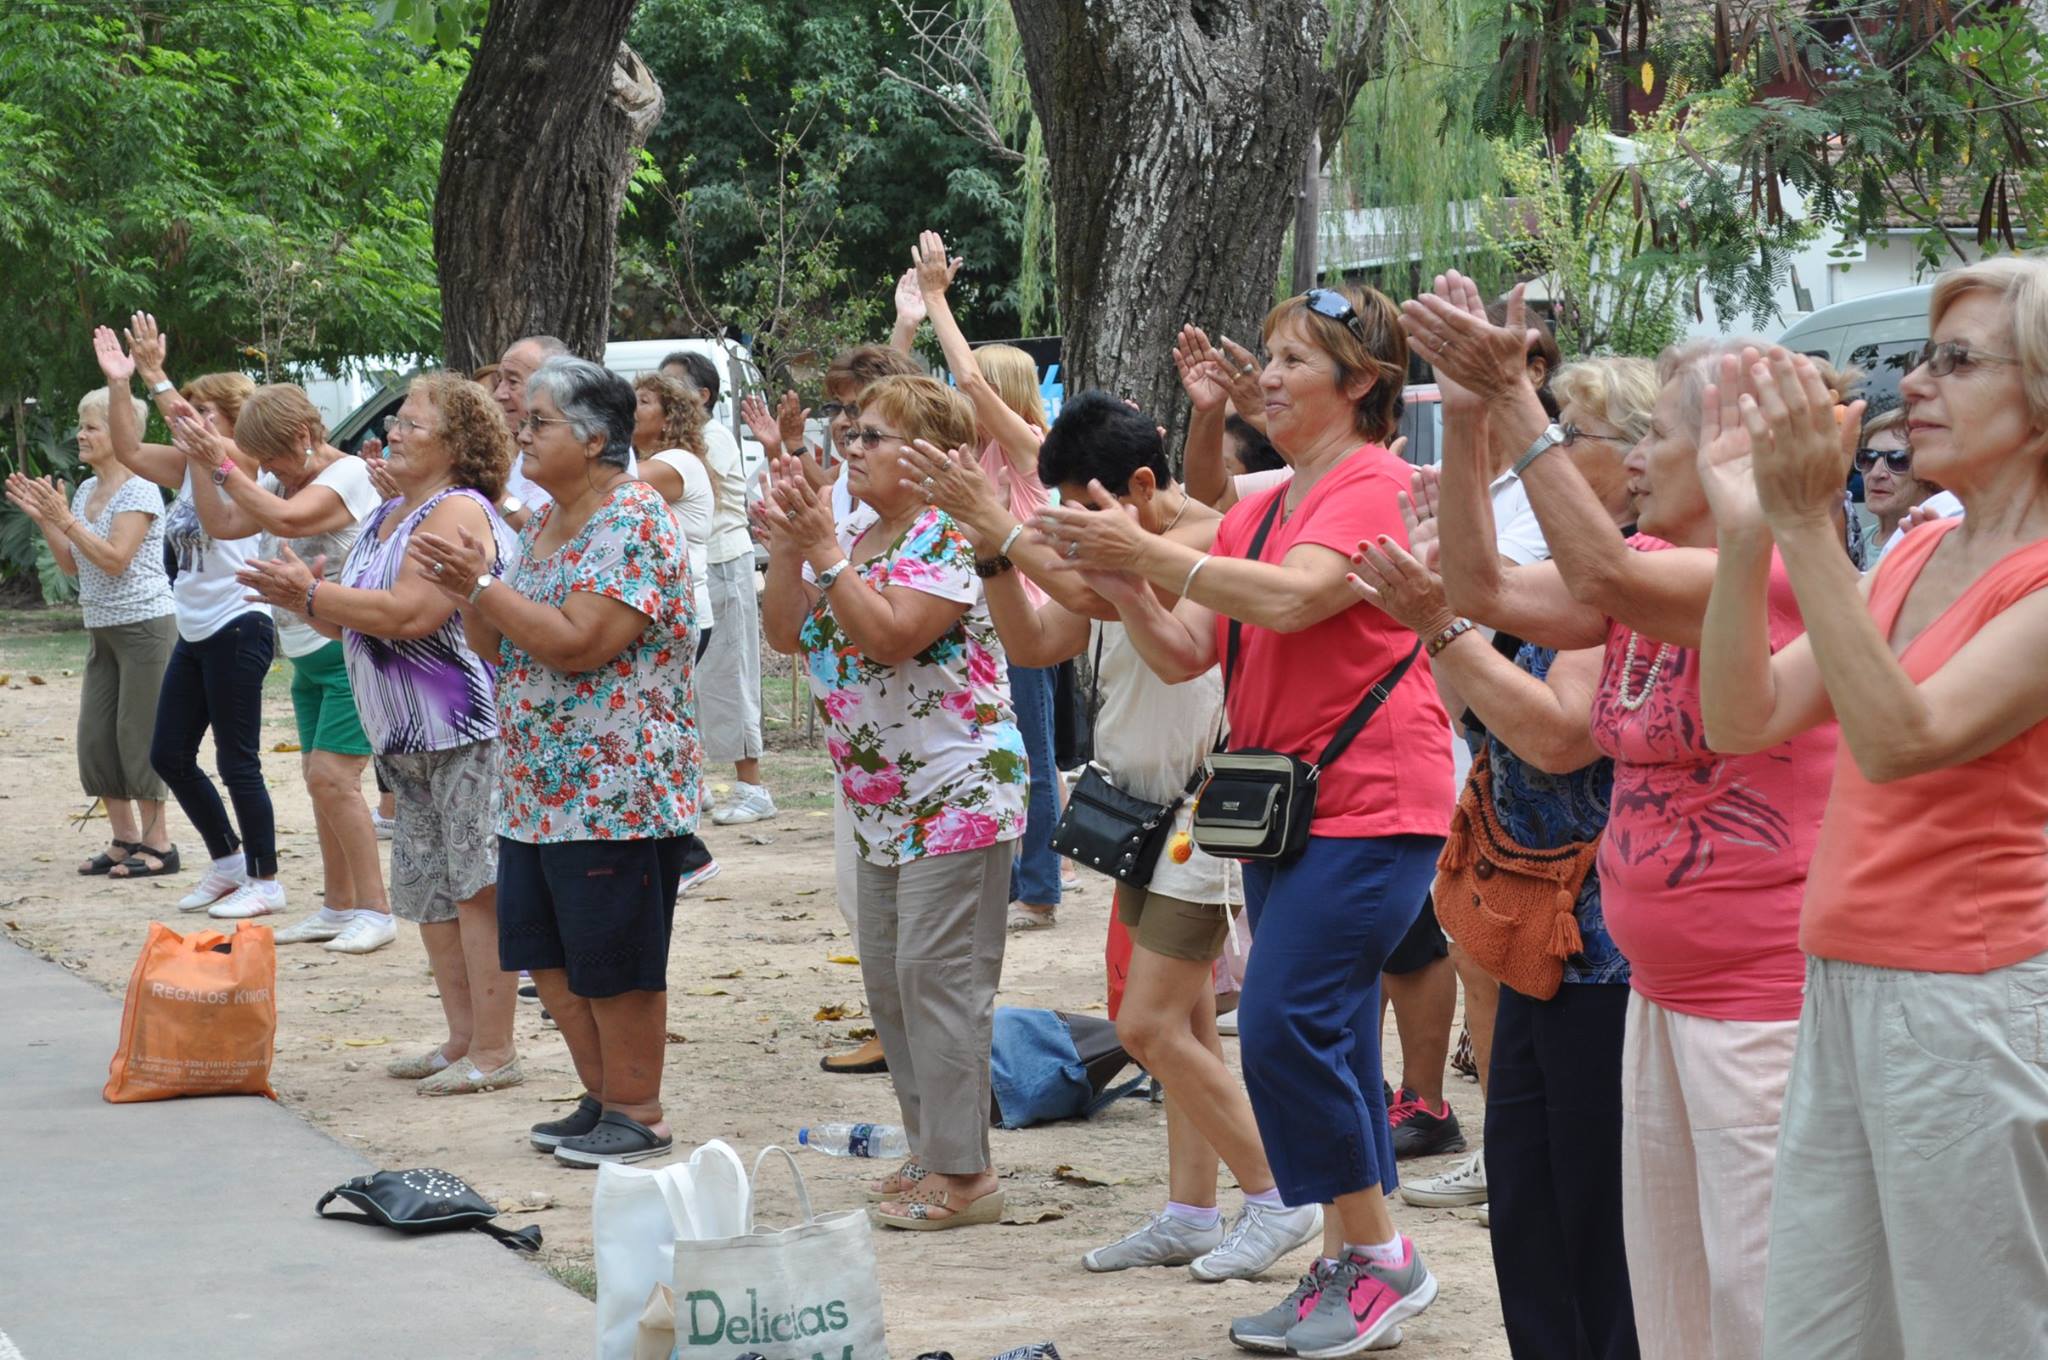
<point>283,581</point>
<point>199,443</point>
<point>935,269</point>
<point>453,566</point>
<point>1106,538</point>
<point>38,498</point>
<point>953,481</point>
<point>1474,359</point>
<point>808,514</point>
<point>1799,438</point>
<point>1387,575</point>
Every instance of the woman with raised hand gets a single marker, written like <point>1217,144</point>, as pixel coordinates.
<point>1002,382</point>
<point>111,537</point>
<point>907,672</point>
<point>1302,655</point>
<point>1912,1173</point>
<point>214,679</point>
<point>1705,855</point>
<point>599,764</point>
<point>302,492</point>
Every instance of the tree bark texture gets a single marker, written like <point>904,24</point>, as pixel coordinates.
<point>542,141</point>
<point>1175,132</point>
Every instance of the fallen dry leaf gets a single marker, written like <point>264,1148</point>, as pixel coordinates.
<point>37,680</point>
<point>366,1043</point>
<point>1075,1175</point>
<point>729,976</point>
<point>675,1038</point>
<point>861,1032</point>
<point>844,958</point>
<point>1024,1218</point>
<point>809,892</point>
<point>709,991</point>
<point>566,1098</point>
<point>341,1005</point>
<point>840,1010</point>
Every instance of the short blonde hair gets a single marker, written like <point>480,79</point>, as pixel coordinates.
<point>1378,350</point>
<point>925,408</point>
<point>224,392</point>
<point>275,421</point>
<point>95,403</point>
<point>1620,391</point>
<point>1014,376</point>
<point>1891,422</point>
<point>2022,280</point>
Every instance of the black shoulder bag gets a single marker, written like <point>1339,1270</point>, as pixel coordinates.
<point>1257,804</point>
<point>424,1200</point>
<point>1107,829</point>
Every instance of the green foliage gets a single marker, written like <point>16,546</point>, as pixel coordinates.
<point>23,553</point>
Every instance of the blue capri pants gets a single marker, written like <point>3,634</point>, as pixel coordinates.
<point>1323,925</point>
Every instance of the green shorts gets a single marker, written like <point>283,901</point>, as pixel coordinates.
<point>1192,931</point>
<point>324,704</point>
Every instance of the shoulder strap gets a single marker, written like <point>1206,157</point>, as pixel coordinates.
<point>1361,715</point>
<point>1258,546</point>
<point>1095,672</point>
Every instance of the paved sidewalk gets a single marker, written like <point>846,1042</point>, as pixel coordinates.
<point>185,1228</point>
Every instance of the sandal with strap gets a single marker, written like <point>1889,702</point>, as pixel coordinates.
<point>104,862</point>
<point>137,864</point>
<point>919,1204</point>
<point>902,1182</point>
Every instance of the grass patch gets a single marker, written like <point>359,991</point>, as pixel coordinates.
<point>52,643</point>
<point>576,1272</point>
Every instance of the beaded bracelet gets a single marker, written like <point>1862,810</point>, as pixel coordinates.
<point>1447,636</point>
<point>309,598</point>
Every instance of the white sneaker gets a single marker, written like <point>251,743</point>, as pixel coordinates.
<point>697,878</point>
<point>1161,1240</point>
<point>1464,1183</point>
<point>752,804</point>
<point>1227,1023</point>
<point>366,934</point>
<point>385,825</point>
<point>216,885</point>
<point>1485,1218</point>
<point>257,897</point>
<point>1257,1241</point>
<point>321,925</point>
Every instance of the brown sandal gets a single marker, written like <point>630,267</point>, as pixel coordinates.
<point>901,1182</point>
<point>919,1204</point>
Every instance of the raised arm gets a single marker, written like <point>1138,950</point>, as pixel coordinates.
<point>159,463</point>
<point>934,272</point>
<point>248,508</point>
<point>1206,379</point>
<point>910,311</point>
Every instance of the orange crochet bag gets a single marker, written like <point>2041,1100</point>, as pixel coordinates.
<point>1509,907</point>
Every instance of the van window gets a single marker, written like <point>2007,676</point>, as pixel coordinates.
<point>1884,364</point>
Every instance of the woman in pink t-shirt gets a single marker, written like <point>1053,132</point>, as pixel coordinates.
<point>1913,1171</point>
<point>1704,859</point>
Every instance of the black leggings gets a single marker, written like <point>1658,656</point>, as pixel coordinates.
<point>218,683</point>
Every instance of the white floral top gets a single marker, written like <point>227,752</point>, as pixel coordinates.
<point>610,753</point>
<point>141,592</point>
<point>928,752</point>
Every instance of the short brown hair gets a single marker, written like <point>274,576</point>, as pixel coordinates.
<point>682,412</point>
<point>472,430</point>
<point>926,409</point>
<point>224,392</point>
<point>1377,350</point>
<point>275,420</point>
<point>853,370</point>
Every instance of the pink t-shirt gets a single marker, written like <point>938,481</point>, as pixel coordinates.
<point>1023,494</point>
<point>1703,866</point>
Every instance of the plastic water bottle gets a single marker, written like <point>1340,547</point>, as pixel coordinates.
<point>855,1140</point>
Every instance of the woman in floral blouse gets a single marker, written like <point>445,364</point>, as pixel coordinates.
<point>599,762</point>
<point>909,676</point>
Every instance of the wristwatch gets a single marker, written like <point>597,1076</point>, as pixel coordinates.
<point>510,506</point>
<point>161,386</point>
<point>220,474</point>
<point>988,568</point>
<point>830,574</point>
<point>1552,436</point>
<point>482,582</point>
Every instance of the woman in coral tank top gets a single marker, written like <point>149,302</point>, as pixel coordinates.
<point>1913,1166</point>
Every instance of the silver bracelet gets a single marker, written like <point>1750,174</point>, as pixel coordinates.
<point>1010,540</point>
<point>1189,583</point>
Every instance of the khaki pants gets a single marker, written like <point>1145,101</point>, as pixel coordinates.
<point>931,936</point>
<point>124,672</point>
<point>1700,1101</point>
<point>1912,1192</point>
<point>728,675</point>
<point>845,866</point>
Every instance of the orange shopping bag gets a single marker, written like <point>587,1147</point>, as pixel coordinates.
<point>201,1016</point>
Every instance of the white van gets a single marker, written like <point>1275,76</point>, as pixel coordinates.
<point>1882,335</point>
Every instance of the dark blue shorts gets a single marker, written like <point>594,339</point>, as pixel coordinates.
<point>599,910</point>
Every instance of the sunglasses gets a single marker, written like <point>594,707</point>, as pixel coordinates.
<point>833,409</point>
<point>1950,355</point>
<point>867,437</point>
<point>1900,461</point>
<point>1326,302</point>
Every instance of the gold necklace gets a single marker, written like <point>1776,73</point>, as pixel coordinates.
<point>1177,514</point>
<point>1630,703</point>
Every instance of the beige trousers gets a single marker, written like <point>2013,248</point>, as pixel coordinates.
<point>1700,1102</point>
<point>931,936</point>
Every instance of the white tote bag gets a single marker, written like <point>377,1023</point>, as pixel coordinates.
<point>636,1217</point>
<point>808,1292</point>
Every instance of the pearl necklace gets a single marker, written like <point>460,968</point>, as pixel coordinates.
<point>1630,703</point>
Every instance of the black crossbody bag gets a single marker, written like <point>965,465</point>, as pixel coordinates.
<point>1107,829</point>
<point>1258,804</point>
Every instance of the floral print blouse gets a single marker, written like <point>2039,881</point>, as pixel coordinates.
<point>928,752</point>
<point>609,753</point>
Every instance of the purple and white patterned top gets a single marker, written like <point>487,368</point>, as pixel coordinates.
<point>418,694</point>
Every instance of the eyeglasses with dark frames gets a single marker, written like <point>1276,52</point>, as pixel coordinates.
<point>1900,461</point>
<point>1950,355</point>
<point>868,437</point>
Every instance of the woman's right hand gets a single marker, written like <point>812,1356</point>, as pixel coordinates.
<point>910,308</point>
<point>38,498</point>
<point>790,415</point>
<point>282,581</point>
<point>1241,371</point>
<point>115,363</point>
<point>1387,575</point>
<point>1726,457</point>
<point>1202,368</point>
<point>935,269</point>
<point>762,422</point>
<point>954,481</point>
<point>149,346</point>
<point>1419,514</point>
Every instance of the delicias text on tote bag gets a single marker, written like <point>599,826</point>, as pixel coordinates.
<point>200,1018</point>
<point>637,1215</point>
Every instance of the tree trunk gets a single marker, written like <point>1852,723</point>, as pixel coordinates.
<point>542,141</point>
<point>1175,132</point>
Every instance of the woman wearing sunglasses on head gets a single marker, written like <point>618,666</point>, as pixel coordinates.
<point>1912,1173</point>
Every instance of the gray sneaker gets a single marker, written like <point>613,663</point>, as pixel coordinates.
<point>1267,1331</point>
<point>1162,1240</point>
<point>751,803</point>
<point>1361,1307</point>
<point>1257,1241</point>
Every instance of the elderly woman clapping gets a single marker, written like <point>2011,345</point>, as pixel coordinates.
<point>1920,1092</point>
<point>600,762</point>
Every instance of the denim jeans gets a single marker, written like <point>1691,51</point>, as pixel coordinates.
<point>218,683</point>
<point>1035,876</point>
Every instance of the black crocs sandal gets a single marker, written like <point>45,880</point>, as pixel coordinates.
<point>103,862</point>
<point>135,866</point>
<point>617,1138</point>
<point>548,1136</point>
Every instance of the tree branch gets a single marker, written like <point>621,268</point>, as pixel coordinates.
<point>1358,54</point>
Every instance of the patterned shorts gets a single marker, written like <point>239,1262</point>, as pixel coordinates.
<point>445,848</point>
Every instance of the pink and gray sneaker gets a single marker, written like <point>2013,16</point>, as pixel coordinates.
<point>1361,1305</point>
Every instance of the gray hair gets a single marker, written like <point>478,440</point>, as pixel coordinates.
<point>94,403</point>
<point>593,399</point>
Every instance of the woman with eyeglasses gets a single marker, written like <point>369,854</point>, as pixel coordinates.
<point>1704,858</point>
<point>1299,653</point>
<point>1913,1174</point>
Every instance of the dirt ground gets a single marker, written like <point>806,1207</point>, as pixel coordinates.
<point>753,965</point>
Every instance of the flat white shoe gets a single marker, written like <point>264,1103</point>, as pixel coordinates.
<point>364,935</point>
